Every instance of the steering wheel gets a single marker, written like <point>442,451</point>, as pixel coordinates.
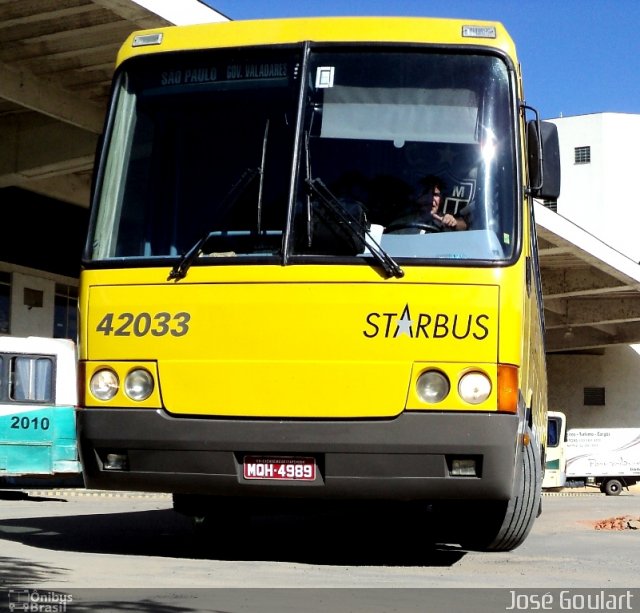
<point>412,225</point>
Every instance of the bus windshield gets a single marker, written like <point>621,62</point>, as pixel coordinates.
<point>225,147</point>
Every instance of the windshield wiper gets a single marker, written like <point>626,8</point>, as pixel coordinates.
<point>179,271</point>
<point>343,220</point>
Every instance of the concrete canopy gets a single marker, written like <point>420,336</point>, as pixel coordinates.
<point>591,291</point>
<point>56,64</point>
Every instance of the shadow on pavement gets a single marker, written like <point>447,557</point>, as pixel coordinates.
<point>321,539</point>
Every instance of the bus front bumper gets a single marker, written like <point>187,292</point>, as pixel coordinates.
<point>409,457</point>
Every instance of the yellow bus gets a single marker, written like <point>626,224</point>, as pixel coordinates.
<point>272,308</point>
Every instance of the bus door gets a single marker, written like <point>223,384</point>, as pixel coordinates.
<point>555,474</point>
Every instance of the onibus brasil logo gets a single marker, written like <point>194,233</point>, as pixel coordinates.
<point>38,601</point>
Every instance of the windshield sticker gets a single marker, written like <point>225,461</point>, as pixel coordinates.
<point>427,325</point>
<point>325,76</point>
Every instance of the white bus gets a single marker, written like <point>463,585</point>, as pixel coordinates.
<point>38,398</point>
<point>555,475</point>
<point>607,458</point>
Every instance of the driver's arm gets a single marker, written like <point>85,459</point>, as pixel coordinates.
<point>455,223</point>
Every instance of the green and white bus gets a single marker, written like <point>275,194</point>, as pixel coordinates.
<point>38,398</point>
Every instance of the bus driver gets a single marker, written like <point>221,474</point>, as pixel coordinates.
<point>429,215</point>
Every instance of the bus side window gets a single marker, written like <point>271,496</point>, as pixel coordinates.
<point>552,433</point>
<point>31,379</point>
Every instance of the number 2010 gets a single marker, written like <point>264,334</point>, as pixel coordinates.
<point>142,324</point>
<point>26,423</point>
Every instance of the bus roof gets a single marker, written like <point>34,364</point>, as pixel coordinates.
<point>36,345</point>
<point>409,30</point>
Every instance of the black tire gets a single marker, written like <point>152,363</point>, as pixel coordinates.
<point>611,487</point>
<point>504,525</point>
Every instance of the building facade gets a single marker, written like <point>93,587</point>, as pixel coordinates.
<point>600,168</point>
<point>599,161</point>
<point>40,253</point>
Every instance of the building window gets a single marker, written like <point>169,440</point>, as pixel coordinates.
<point>65,320</point>
<point>5,302</point>
<point>594,396</point>
<point>582,155</point>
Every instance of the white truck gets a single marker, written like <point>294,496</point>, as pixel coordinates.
<point>608,458</point>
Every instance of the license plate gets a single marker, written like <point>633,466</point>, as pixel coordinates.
<point>284,468</point>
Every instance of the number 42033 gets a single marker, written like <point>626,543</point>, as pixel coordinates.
<point>142,324</point>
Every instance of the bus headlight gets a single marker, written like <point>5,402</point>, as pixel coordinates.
<point>432,386</point>
<point>138,384</point>
<point>474,387</point>
<point>104,384</point>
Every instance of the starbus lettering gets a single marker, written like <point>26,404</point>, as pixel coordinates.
<point>459,326</point>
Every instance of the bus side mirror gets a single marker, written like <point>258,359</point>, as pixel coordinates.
<point>544,159</point>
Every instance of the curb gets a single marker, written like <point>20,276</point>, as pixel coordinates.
<point>82,493</point>
<point>592,492</point>
<point>572,493</point>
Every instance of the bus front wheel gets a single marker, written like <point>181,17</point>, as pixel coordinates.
<point>504,525</point>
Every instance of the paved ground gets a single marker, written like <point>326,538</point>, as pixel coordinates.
<point>110,549</point>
